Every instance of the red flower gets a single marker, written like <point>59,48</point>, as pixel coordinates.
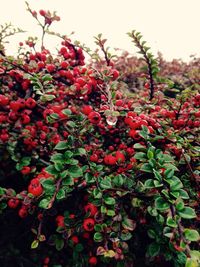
<point>88,224</point>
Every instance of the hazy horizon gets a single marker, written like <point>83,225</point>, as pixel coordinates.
<point>168,26</point>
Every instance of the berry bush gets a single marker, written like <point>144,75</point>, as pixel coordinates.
<point>92,173</point>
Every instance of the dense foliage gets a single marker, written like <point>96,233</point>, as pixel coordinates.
<point>93,173</point>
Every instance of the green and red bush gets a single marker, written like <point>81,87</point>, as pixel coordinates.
<point>90,174</point>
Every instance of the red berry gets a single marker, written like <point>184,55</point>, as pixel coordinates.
<point>25,119</point>
<point>35,188</point>
<point>4,100</point>
<point>94,158</point>
<point>42,12</point>
<point>119,103</point>
<point>30,103</point>
<point>4,137</point>
<point>87,109</point>
<point>23,212</point>
<point>94,117</point>
<point>60,220</point>
<point>46,260</point>
<point>88,224</point>
<point>93,261</point>
<point>50,67</point>
<point>26,170</point>
<point>110,160</point>
<point>15,105</point>
<point>75,239</point>
<point>64,64</point>
<point>13,203</point>
<point>91,209</point>
<point>120,156</point>
<point>115,74</point>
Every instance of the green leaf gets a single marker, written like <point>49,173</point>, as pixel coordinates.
<point>35,244</point>
<point>140,156</point>
<point>175,183</point>
<point>68,181</point>
<point>194,261</point>
<point>180,205</point>
<point>68,154</point>
<point>103,209</point>
<point>187,213</point>
<point>109,200</point>
<point>128,224</point>
<point>59,244</point>
<point>75,171</point>
<point>191,235</point>
<point>149,184</point>
<point>139,146</point>
<point>171,222</point>
<point>57,157</point>
<point>110,213</point>
<point>61,194</point>
<point>169,173</point>
<point>62,145</point>
<point>46,98</point>
<point>153,249</point>
<point>161,204</point>
<point>97,194</point>
<point>72,162</point>
<point>168,232</point>
<point>125,235</point>
<point>54,116</point>
<point>72,124</point>
<point>150,154</point>
<point>157,183</point>
<point>152,234</point>
<point>118,180</point>
<point>58,166</point>
<point>49,186</point>
<point>152,163</point>
<point>157,175</point>
<point>78,248</point>
<point>106,183</point>
<point>2,191</point>
<point>170,166</point>
<point>98,237</point>
<point>89,177</point>
<point>183,194</point>
<point>44,203</point>
<point>64,174</point>
<point>80,151</point>
<point>66,112</point>
<point>98,227</point>
<point>46,77</point>
<point>25,161</point>
<point>51,170</point>
<point>146,167</point>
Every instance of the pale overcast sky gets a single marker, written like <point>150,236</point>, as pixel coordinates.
<point>169,26</point>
